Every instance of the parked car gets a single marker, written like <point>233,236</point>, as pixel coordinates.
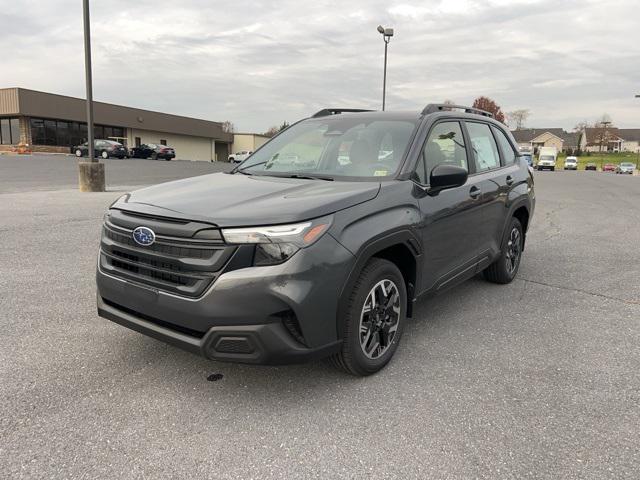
<point>608,167</point>
<point>571,163</point>
<point>547,158</point>
<point>625,167</point>
<point>591,166</point>
<point>239,157</point>
<point>279,261</point>
<point>102,148</point>
<point>154,151</point>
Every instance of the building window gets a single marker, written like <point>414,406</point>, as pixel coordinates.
<point>37,131</point>
<point>63,133</point>
<point>163,142</point>
<point>5,132</point>
<point>14,125</point>
<point>138,141</point>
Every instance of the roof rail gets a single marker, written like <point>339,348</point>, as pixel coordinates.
<point>325,112</point>
<point>441,107</point>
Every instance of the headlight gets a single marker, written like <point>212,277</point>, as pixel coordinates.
<point>276,244</point>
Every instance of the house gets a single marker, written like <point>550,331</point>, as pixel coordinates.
<point>631,137</point>
<point>603,139</point>
<point>547,137</point>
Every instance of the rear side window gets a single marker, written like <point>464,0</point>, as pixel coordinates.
<point>485,150</point>
<point>445,144</point>
<point>508,155</point>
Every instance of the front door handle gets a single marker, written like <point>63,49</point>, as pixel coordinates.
<point>509,180</point>
<point>474,192</point>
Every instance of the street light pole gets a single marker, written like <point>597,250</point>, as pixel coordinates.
<point>386,33</point>
<point>88,79</point>
<point>91,172</point>
<point>638,149</point>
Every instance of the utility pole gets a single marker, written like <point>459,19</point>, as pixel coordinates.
<point>91,172</point>
<point>638,148</point>
<point>603,137</point>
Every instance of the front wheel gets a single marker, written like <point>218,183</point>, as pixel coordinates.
<point>505,268</point>
<point>373,320</point>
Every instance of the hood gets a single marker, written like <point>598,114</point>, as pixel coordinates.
<point>241,200</point>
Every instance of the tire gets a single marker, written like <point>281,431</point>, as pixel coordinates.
<point>553,169</point>
<point>78,153</point>
<point>504,269</point>
<point>377,276</point>
<point>104,154</point>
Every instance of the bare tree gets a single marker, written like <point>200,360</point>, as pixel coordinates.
<point>581,126</point>
<point>604,119</point>
<point>228,126</point>
<point>276,129</point>
<point>271,131</point>
<point>517,118</point>
<point>448,102</point>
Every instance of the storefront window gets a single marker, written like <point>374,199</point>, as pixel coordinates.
<point>63,133</point>
<point>5,131</point>
<point>14,125</point>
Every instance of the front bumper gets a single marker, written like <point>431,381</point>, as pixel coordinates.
<point>246,315</point>
<point>267,344</point>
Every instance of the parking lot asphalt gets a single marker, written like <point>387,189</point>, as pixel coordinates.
<point>536,379</point>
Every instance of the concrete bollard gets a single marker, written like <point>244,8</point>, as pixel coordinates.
<point>91,176</point>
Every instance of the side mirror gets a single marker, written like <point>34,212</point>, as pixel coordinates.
<point>445,176</point>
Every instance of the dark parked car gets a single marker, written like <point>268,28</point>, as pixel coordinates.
<point>153,150</point>
<point>102,148</point>
<point>285,260</point>
<point>591,166</point>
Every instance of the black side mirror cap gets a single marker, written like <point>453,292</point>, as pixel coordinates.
<point>446,176</point>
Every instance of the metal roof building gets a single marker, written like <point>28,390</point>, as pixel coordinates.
<point>54,123</point>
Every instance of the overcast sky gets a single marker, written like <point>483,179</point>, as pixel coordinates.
<point>261,63</point>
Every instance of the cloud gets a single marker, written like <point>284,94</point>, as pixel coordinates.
<point>259,64</point>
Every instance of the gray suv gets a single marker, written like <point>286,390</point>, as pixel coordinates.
<point>319,244</point>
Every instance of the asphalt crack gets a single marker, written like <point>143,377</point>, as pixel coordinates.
<point>586,292</point>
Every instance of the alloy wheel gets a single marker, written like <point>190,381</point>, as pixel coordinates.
<point>514,250</point>
<point>379,319</point>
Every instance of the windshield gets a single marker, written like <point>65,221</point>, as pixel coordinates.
<point>546,157</point>
<point>349,146</point>
<point>625,164</point>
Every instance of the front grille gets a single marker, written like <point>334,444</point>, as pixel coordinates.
<point>181,265</point>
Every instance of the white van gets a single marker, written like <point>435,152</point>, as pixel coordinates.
<point>547,157</point>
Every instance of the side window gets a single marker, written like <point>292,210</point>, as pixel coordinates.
<point>508,155</point>
<point>445,144</point>
<point>485,150</point>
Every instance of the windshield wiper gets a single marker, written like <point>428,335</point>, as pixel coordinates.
<point>306,176</point>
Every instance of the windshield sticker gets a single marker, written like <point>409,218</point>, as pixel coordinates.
<point>380,173</point>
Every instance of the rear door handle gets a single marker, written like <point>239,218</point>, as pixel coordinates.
<point>474,192</point>
<point>509,180</point>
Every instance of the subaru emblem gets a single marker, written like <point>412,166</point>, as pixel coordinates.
<point>144,236</point>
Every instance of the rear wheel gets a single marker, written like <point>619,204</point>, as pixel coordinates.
<point>505,268</point>
<point>374,319</point>
<point>78,153</point>
<point>104,154</point>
